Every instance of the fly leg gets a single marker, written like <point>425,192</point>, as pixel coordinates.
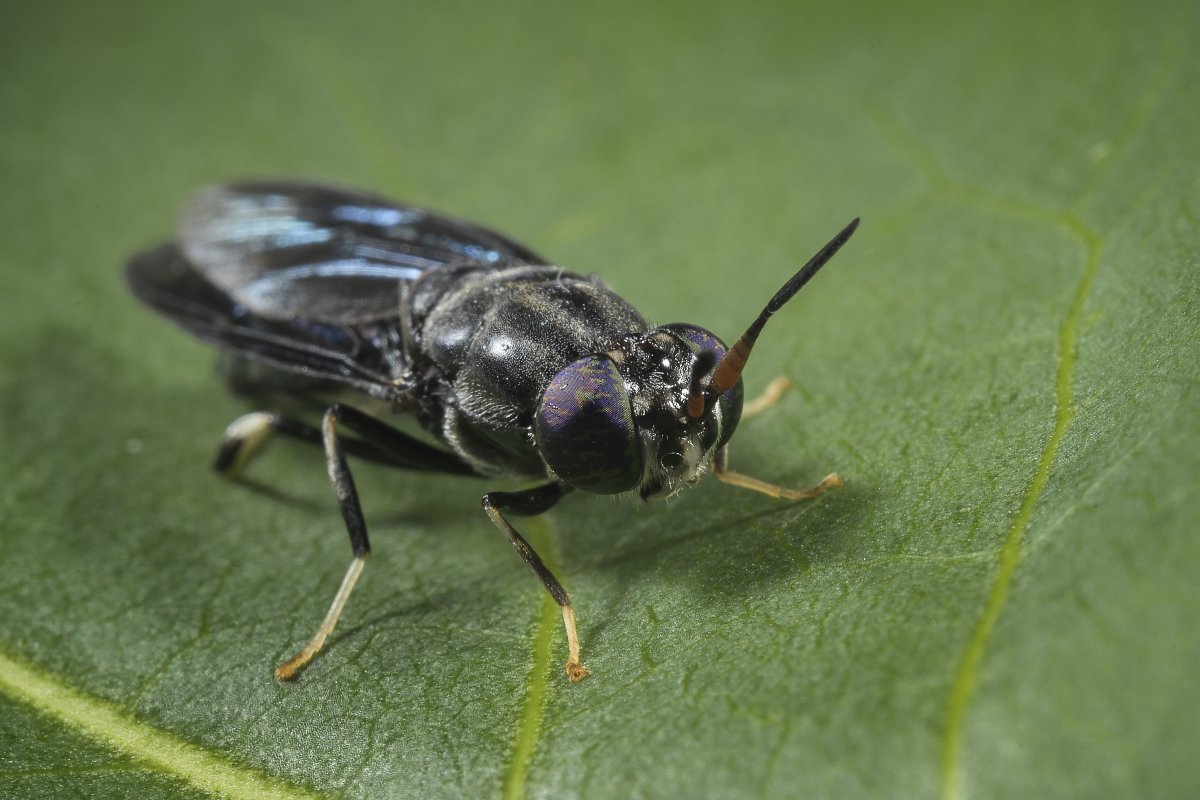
<point>356,526</point>
<point>380,443</point>
<point>720,467</point>
<point>246,435</point>
<point>242,439</point>
<point>770,396</point>
<point>528,503</point>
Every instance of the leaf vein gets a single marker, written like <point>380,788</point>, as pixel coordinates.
<point>966,676</point>
<point>529,729</point>
<point>156,749</point>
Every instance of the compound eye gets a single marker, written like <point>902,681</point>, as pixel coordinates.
<point>697,337</point>
<point>585,430</point>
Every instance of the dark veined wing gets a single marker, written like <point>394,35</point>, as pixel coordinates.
<point>355,355</point>
<point>302,251</point>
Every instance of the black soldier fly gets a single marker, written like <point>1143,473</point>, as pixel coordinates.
<point>324,299</point>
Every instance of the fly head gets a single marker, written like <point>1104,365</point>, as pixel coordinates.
<point>619,421</point>
<point>649,415</point>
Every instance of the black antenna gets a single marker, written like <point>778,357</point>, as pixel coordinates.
<point>731,366</point>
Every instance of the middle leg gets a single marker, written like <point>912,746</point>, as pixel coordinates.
<point>528,503</point>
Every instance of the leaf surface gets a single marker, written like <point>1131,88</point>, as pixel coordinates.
<point>1002,365</point>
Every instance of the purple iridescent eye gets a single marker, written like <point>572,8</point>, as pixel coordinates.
<point>585,430</point>
<point>697,336</point>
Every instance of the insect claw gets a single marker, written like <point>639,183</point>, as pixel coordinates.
<point>290,670</point>
<point>830,481</point>
<point>576,671</point>
<point>244,436</point>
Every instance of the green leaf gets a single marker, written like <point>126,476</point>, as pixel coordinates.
<point>1002,365</point>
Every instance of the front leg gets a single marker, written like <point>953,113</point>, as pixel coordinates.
<point>720,466</point>
<point>770,396</point>
<point>528,503</point>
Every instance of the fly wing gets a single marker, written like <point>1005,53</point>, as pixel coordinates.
<point>353,355</point>
<point>288,251</point>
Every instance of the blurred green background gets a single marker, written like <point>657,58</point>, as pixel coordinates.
<point>1002,364</point>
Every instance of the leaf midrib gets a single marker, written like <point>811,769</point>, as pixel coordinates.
<point>154,749</point>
